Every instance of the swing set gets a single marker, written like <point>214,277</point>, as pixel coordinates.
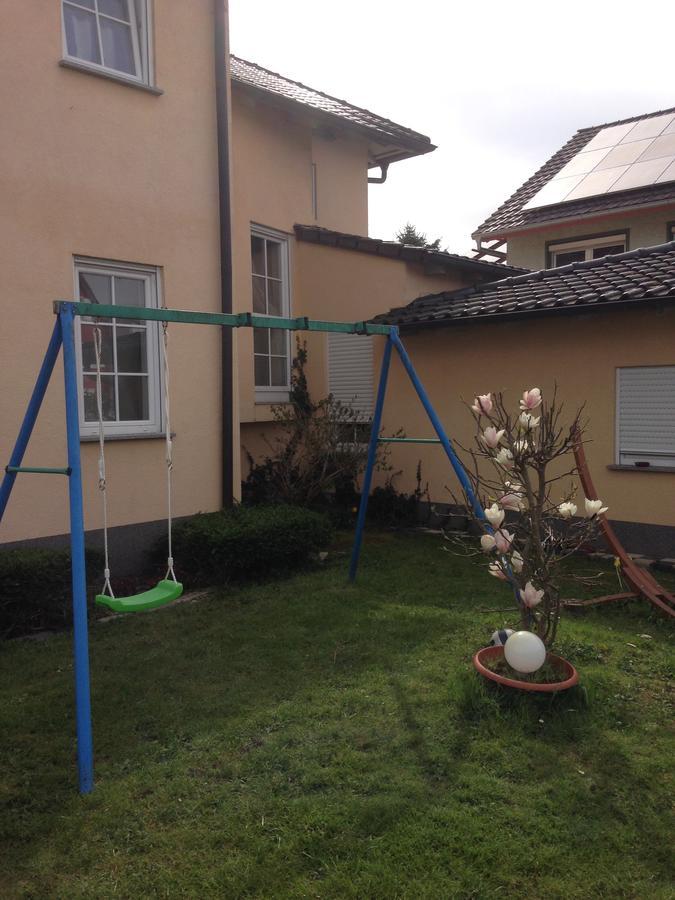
<point>169,588</point>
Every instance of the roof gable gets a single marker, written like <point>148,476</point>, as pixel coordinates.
<point>393,141</point>
<point>512,216</point>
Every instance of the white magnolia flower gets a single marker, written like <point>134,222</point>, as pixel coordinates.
<point>492,437</point>
<point>494,515</point>
<point>505,458</point>
<point>530,595</point>
<point>482,404</point>
<point>521,446</point>
<point>487,543</point>
<point>516,562</point>
<point>531,399</point>
<point>594,508</point>
<point>512,502</point>
<point>567,509</point>
<point>526,421</point>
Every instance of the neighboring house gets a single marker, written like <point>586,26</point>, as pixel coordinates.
<point>110,193</point>
<point>596,319</point>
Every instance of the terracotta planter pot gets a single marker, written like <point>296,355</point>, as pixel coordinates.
<point>568,674</point>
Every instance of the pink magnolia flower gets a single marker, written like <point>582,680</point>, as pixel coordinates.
<point>531,399</point>
<point>516,562</point>
<point>504,458</point>
<point>503,540</point>
<point>492,437</point>
<point>488,543</point>
<point>496,570</point>
<point>482,404</point>
<point>530,595</point>
<point>567,509</point>
<point>511,501</point>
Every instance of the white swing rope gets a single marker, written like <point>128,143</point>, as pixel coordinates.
<point>98,340</point>
<point>169,448</point>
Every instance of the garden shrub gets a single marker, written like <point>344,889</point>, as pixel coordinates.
<point>247,543</point>
<point>36,591</point>
<point>393,508</point>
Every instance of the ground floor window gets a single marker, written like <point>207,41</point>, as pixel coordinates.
<point>562,253</point>
<point>271,297</point>
<point>350,372</point>
<point>645,413</point>
<point>130,370</point>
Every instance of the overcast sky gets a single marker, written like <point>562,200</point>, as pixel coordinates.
<point>498,87</point>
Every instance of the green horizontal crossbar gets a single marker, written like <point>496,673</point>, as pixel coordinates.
<point>234,320</point>
<point>395,440</point>
<point>39,470</point>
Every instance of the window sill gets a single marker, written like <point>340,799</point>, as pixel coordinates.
<point>109,76</point>
<point>263,399</point>
<point>150,436</point>
<point>649,469</point>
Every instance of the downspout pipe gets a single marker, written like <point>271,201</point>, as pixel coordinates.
<point>382,177</point>
<point>222,66</point>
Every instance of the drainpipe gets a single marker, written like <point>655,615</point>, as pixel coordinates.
<point>222,68</point>
<point>382,177</point>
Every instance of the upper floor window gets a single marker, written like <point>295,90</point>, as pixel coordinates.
<point>271,297</point>
<point>130,370</point>
<point>108,35</point>
<point>561,253</point>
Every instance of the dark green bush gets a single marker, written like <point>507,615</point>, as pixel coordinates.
<point>35,589</point>
<point>247,543</point>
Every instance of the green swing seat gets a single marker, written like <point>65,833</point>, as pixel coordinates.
<point>164,592</point>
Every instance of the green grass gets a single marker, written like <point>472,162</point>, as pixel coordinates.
<point>305,738</point>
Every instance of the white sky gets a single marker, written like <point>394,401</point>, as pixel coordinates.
<point>498,87</point>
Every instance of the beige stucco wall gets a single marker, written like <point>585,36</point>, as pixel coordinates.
<point>346,286</point>
<point>95,168</point>
<point>580,353</point>
<point>646,228</point>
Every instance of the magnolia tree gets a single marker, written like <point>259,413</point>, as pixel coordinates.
<point>524,475</point>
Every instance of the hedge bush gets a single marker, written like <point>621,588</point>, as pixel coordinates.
<point>35,589</point>
<point>247,543</point>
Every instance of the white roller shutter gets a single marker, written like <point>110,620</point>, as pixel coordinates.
<point>646,415</point>
<point>350,371</point>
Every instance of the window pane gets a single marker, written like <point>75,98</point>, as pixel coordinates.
<point>117,8</point>
<point>129,291</point>
<point>257,255</point>
<point>261,340</point>
<point>132,349</point>
<point>95,288</point>
<point>118,51</point>
<point>133,396</point>
<point>81,34</point>
<point>262,371</point>
<point>278,342</point>
<point>273,259</point>
<point>107,398</point>
<point>259,305</point>
<point>274,298</point>
<point>279,371</point>
<point>89,353</point>
<point>599,252</point>
<point>569,256</point>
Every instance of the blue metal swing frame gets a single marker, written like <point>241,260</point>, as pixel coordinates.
<point>63,338</point>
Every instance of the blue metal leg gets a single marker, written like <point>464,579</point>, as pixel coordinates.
<point>438,427</point>
<point>370,465</point>
<point>31,414</point>
<point>85,761</point>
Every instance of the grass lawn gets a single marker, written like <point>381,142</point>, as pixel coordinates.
<point>305,738</point>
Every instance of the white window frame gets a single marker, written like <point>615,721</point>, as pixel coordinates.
<point>141,36</point>
<point>588,246</point>
<point>275,393</point>
<point>153,425</point>
<point>657,459</point>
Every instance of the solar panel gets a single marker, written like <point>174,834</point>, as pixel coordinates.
<point>617,158</point>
